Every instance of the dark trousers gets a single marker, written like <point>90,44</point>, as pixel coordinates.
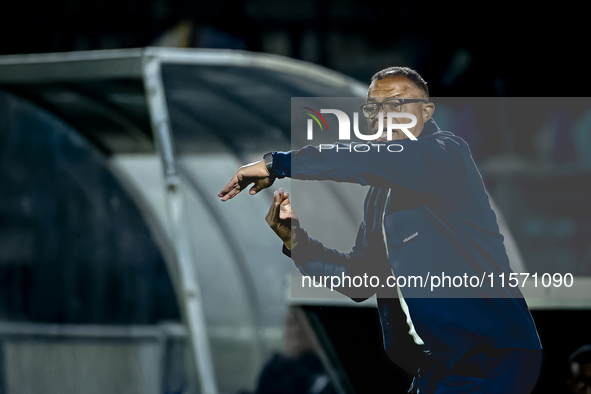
<point>484,369</point>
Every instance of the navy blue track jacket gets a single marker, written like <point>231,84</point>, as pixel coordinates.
<point>428,204</point>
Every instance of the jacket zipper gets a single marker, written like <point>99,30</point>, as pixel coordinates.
<point>418,340</point>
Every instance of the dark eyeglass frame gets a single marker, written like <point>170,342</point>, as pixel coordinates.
<point>381,105</point>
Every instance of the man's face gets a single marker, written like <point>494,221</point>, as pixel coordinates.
<point>580,382</point>
<point>399,86</point>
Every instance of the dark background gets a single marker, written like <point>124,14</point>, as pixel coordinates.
<point>480,49</point>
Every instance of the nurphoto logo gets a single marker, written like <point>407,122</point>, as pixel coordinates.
<point>345,124</point>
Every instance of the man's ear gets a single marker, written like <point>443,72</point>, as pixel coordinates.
<point>428,111</point>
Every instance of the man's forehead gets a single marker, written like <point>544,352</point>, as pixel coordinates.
<point>392,86</point>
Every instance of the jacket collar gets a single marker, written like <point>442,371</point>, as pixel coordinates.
<point>429,128</point>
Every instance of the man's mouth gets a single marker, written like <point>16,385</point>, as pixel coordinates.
<point>383,137</point>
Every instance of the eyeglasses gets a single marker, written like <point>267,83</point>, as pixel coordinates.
<point>371,110</point>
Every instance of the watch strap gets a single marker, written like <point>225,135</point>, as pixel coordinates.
<point>268,159</point>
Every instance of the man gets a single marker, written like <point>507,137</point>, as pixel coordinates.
<point>580,371</point>
<point>427,209</point>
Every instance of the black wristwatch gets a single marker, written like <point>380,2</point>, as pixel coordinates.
<point>268,159</point>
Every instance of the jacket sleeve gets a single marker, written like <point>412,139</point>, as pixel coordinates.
<point>434,165</point>
<point>317,261</point>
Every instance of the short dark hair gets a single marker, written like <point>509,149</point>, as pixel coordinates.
<point>410,74</point>
<point>581,355</point>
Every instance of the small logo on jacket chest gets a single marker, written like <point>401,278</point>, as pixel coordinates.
<point>410,237</point>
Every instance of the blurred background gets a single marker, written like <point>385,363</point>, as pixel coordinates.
<point>500,49</point>
<point>121,272</point>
